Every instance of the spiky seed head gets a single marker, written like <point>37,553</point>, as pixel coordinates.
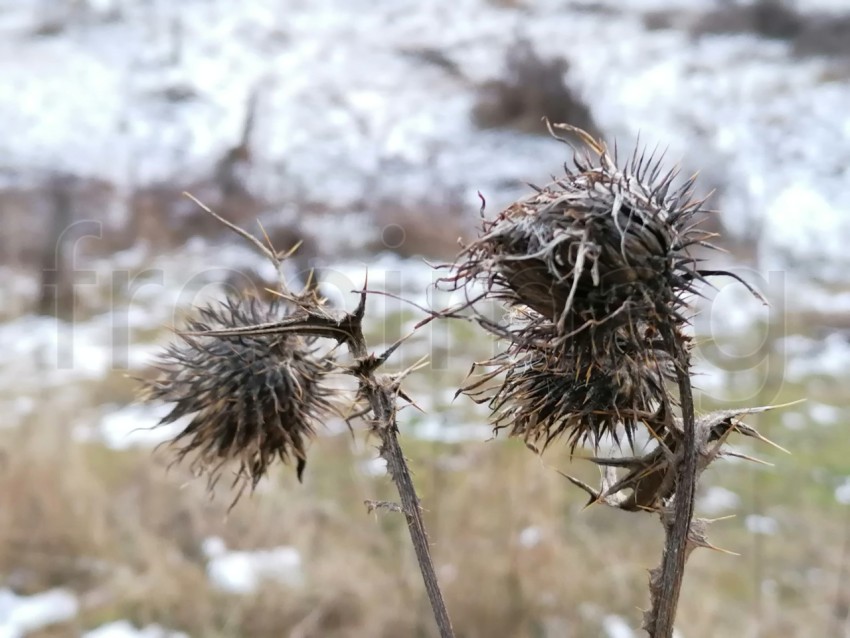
<point>551,388</point>
<point>602,243</point>
<point>599,265</point>
<point>252,400</point>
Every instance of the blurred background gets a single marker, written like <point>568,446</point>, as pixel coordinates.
<point>365,131</point>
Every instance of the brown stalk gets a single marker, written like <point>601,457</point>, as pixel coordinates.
<point>665,594</point>
<point>382,393</point>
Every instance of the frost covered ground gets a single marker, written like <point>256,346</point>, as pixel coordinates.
<point>352,108</point>
<point>347,103</point>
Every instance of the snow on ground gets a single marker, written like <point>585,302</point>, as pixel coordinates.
<point>132,426</point>
<point>20,615</point>
<point>124,629</point>
<point>717,500</point>
<point>758,524</point>
<point>242,572</point>
<point>805,357</point>
<point>348,109</point>
<point>433,428</point>
<point>530,537</point>
<point>617,627</point>
<point>373,467</point>
<point>842,492</point>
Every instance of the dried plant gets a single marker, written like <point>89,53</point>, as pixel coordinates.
<point>598,270</point>
<point>599,264</point>
<point>553,387</point>
<point>253,378</point>
<point>252,400</point>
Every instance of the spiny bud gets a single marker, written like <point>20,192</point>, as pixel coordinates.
<point>252,400</point>
<point>598,265</point>
<point>545,395</point>
<point>601,244</point>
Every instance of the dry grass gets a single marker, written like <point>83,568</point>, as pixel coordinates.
<point>126,535</point>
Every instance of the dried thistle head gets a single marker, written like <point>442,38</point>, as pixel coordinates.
<point>552,387</point>
<point>252,399</point>
<point>601,245</point>
<point>549,394</point>
<point>598,266</point>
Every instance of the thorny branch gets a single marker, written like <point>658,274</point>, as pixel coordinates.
<point>382,393</point>
<point>664,602</point>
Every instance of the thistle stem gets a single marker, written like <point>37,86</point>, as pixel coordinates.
<point>382,393</point>
<point>398,469</point>
<point>382,398</point>
<point>665,599</point>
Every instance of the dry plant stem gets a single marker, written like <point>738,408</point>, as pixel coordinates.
<point>666,600</point>
<point>382,395</point>
<point>381,392</point>
<point>397,467</point>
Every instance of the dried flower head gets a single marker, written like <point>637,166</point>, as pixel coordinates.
<point>552,391</point>
<point>598,265</point>
<point>601,245</point>
<point>253,399</point>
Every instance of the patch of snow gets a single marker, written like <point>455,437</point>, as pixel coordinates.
<point>807,357</point>
<point>801,223</point>
<point>124,629</point>
<point>710,379</point>
<point>758,524</point>
<point>374,467</point>
<point>213,547</point>
<point>20,615</point>
<point>717,500</point>
<point>616,627</point>
<point>813,297</point>
<point>135,425</point>
<point>732,310</point>
<point>842,492</point>
<point>173,81</point>
<point>530,537</point>
<point>824,414</point>
<point>242,572</point>
<point>56,348</point>
<point>434,429</point>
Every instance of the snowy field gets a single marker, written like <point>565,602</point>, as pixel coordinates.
<point>136,92</point>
